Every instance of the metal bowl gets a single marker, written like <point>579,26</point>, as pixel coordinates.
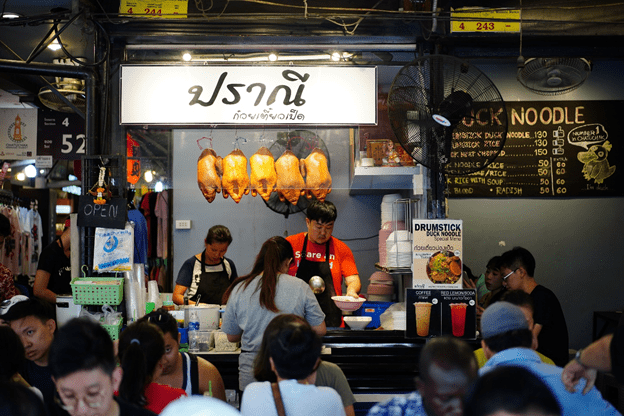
<point>317,284</point>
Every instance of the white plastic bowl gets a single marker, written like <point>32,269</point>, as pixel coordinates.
<point>357,322</point>
<point>348,303</point>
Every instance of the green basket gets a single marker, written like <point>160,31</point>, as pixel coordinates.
<point>113,330</point>
<point>97,294</point>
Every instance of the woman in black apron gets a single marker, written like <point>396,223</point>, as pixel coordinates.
<point>307,269</point>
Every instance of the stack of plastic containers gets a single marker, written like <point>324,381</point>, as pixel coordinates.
<point>392,218</point>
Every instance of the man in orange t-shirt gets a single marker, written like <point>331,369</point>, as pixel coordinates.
<point>325,256</point>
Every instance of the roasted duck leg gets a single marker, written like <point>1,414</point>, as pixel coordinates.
<point>290,183</point>
<point>209,174</point>
<point>263,177</point>
<point>235,180</point>
<point>317,177</point>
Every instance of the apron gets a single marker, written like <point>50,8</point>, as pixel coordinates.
<point>307,269</point>
<point>212,285</point>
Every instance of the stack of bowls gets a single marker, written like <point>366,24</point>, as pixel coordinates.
<point>399,249</point>
<point>380,287</point>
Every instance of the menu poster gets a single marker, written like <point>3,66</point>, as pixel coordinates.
<point>438,312</point>
<point>553,149</point>
<point>437,254</point>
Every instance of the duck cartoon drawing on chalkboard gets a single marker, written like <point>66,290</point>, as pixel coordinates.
<point>596,163</point>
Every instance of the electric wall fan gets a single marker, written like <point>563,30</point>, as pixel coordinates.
<point>447,114</point>
<point>553,76</point>
<point>71,88</point>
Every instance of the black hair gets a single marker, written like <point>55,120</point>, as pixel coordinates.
<point>268,262</point>
<point>39,308</point>
<point>518,297</point>
<point>494,263</point>
<point>322,212</point>
<point>141,346</point>
<point>5,226</point>
<point>519,257</point>
<point>12,354</point>
<point>510,339</point>
<point>450,353</point>
<point>81,344</point>
<point>218,234</point>
<point>295,350</point>
<point>512,389</point>
<point>18,400</point>
<point>163,320</point>
<point>262,366</point>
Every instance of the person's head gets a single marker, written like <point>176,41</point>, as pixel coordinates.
<point>511,391</point>
<point>5,228</point>
<point>493,277</point>
<point>83,367</point>
<point>262,365</point>
<point>169,326</point>
<point>517,265</point>
<point>294,349</point>
<point>141,348</point>
<point>274,258</point>
<point>32,319</point>
<point>12,353</point>
<point>447,369</point>
<point>504,326</point>
<point>320,218</point>
<point>525,302</point>
<point>18,400</point>
<point>217,242</point>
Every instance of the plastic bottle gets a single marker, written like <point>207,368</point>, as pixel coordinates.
<point>193,331</point>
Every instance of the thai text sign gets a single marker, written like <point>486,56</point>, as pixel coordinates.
<point>248,95</point>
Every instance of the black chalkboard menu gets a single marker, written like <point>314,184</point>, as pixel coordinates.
<point>553,149</point>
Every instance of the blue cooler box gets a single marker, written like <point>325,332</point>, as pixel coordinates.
<point>374,310</point>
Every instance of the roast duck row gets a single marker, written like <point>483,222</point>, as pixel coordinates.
<point>284,175</point>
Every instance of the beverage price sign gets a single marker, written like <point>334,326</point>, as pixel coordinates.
<point>61,135</point>
<point>169,9</point>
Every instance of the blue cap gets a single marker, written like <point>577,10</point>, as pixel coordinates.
<point>501,317</point>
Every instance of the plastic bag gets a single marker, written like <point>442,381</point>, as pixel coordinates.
<point>113,249</point>
<point>386,319</point>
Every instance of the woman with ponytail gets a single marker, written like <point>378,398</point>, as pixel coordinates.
<point>141,349</point>
<point>255,299</point>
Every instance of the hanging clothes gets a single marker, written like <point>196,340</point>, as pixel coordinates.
<point>11,249</point>
<point>162,214</point>
<point>36,239</point>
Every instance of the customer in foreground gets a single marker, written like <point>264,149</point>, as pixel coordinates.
<point>82,362</point>
<point>447,370</point>
<point>507,341</point>
<point>294,354</point>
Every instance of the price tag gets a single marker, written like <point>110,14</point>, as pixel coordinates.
<point>485,21</point>
<point>166,9</point>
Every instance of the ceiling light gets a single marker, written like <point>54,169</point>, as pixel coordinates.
<point>335,56</point>
<point>187,57</point>
<point>30,171</point>
<point>10,15</point>
<point>158,187</point>
<point>20,176</point>
<point>54,45</point>
<point>273,57</point>
<point>149,176</point>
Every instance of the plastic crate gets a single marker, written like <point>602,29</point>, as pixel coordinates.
<point>97,293</point>
<point>113,330</point>
<point>374,310</point>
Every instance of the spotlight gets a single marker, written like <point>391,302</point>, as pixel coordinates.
<point>54,45</point>
<point>273,57</point>
<point>30,171</point>
<point>187,57</point>
<point>20,176</point>
<point>149,176</point>
<point>335,56</point>
<point>158,187</point>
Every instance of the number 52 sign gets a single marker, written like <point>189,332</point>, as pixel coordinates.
<point>61,136</point>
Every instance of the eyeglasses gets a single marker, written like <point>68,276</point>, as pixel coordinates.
<point>508,274</point>
<point>92,401</point>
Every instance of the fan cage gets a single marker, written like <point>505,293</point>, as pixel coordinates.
<point>419,91</point>
<point>534,74</point>
<point>52,101</point>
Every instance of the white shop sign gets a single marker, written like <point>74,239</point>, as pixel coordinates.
<point>250,95</point>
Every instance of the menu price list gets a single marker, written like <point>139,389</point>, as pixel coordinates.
<point>553,149</point>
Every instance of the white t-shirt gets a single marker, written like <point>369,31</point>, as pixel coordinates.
<point>299,400</point>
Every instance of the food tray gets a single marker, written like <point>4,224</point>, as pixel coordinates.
<point>95,290</point>
<point>113,330</point>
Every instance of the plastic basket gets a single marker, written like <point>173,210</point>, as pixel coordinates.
<point>113,330</point>
<point>97,293</point>
<point>374,310</point>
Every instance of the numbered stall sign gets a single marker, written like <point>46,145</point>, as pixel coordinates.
<point>61,136</point>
